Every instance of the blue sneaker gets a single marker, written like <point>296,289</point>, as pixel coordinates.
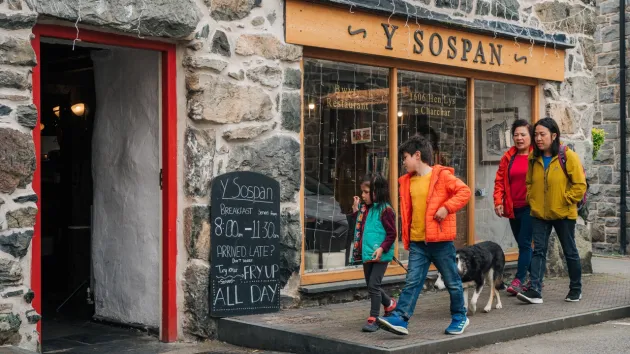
<point>457,326</point>
<point>394,324</point>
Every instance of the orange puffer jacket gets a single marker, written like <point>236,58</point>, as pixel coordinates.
<point>444,190</point>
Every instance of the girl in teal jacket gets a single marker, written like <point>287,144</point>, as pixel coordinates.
<point>374,237</point>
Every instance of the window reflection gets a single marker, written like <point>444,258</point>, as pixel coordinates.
<point>345,137</point>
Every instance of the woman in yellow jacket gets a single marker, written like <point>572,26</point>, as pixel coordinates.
<point>553,196</point>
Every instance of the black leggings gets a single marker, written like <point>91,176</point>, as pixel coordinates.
<point>374,273</point>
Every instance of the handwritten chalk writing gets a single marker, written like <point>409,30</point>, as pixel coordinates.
<point>225,210</point>
<point>246,192</point>
<point>260,272</point>
<point>245,209</point>
<point>231,228</point>
<point>263,293</point>
<point>229,251</point>
<point>227,296</point>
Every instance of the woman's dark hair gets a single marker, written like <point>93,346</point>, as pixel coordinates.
<point>550,124</point>
<point>379,188</point>
<point>523,123</point>
<point>418,143</point>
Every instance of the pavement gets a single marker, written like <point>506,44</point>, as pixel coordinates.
<point>336,328</point>
<point>604,338</point>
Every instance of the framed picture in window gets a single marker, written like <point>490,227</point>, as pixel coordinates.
<point>495,125</point>
<point>361,136</point>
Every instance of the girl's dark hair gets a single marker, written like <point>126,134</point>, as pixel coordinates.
<point>379,188</point>
<point>418,143</point>
<point>523,123</point>
<point>550,124</point>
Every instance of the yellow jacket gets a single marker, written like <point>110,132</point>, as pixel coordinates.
<point>550,194</point>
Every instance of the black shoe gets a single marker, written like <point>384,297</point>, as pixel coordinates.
<point>574,295</point>
<point>530,296</point>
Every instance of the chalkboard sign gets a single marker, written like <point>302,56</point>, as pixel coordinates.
<point>245,241</point>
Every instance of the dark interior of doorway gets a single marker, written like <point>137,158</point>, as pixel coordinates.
<point>68,104</point>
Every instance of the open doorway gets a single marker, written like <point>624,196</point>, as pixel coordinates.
<point>100,190</point>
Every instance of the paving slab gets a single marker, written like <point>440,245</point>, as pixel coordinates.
<point>336,328</point>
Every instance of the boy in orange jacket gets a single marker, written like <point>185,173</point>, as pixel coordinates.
<point>430,195</point>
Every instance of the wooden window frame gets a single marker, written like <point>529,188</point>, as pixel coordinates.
<point>394,65</point>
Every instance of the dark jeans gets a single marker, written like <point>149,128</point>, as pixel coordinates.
<point>374,273</point>
<point>565,229</point>
<point>442,254</point>
<point>522,230</point>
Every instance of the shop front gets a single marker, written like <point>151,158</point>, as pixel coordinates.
<point>369,83</point>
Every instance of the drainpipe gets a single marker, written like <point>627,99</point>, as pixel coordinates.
<point>622,121</point>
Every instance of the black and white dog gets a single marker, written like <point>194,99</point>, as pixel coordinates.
<point>479,264</point>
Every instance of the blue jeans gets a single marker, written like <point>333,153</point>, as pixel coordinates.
<point>442,254</point>
<point>565,229</point>
<point>522,230</point>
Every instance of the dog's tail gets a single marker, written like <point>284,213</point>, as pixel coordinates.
<point>498,272</point>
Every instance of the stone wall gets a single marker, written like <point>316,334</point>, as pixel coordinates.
<point>243,114</point>
<point>605,197</point>
<point>18,117</point>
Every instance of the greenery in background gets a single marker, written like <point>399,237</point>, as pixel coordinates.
<point>598,137</point>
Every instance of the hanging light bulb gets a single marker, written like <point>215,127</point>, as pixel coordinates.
<point>311,106</point>
<point>400,114</point>
<point>56,111</point>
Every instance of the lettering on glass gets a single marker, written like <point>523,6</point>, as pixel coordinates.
<point>245,239</point>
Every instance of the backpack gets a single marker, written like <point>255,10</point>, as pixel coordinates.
<point>562,158</point>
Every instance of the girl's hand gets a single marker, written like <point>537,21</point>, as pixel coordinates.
<point>377,254</point>
<point>499,210</point>
<point>355,205</point>
<point>441,214</point>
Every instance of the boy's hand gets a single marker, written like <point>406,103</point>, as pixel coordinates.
<point>355,205</point>
<point>441,214</point>
<point>377,254</point>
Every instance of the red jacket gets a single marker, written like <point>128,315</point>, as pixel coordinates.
<point>502,194</point>
<point>445,190</point>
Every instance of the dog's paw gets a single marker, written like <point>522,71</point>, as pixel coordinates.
<point>487,309</point>
<point>499,306</point>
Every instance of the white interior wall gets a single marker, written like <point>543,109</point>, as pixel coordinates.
<point>126,233</point>
<point>488,226</point>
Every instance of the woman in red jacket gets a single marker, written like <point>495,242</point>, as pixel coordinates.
<point>510,198</point>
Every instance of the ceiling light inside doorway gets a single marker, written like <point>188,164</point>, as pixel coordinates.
<point>78,109</point>
<point>56,111</point>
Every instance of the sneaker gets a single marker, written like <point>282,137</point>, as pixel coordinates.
<point>530,296</point>
<point>457,326</point>
<point>574,295</point>
<point>371,325</point>
<point>389,309</point>
<point>529,285</point>
<point>393,324</point>
<point>515,287</point>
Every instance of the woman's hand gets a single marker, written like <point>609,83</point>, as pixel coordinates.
<point>355,205</point>
<point>499,210</point>
<point>377,254</point>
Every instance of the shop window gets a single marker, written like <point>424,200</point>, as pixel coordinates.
<point>497,105</point>
<point>435,106</point>
<point>345,137</point>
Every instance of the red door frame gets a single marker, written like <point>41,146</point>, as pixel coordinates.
<point>168,330</point>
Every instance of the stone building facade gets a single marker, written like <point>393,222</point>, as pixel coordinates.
<point>240,109</point>
<point>606,173</point>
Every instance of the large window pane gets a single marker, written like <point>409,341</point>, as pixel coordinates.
<point>497,105</point>
<point>435,107</point>
<point>345,137</point>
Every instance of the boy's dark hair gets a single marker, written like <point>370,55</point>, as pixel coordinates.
<point>550,124</point>
<point>379,188</point>
<point>418,143</point>
<point>523,123</point>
